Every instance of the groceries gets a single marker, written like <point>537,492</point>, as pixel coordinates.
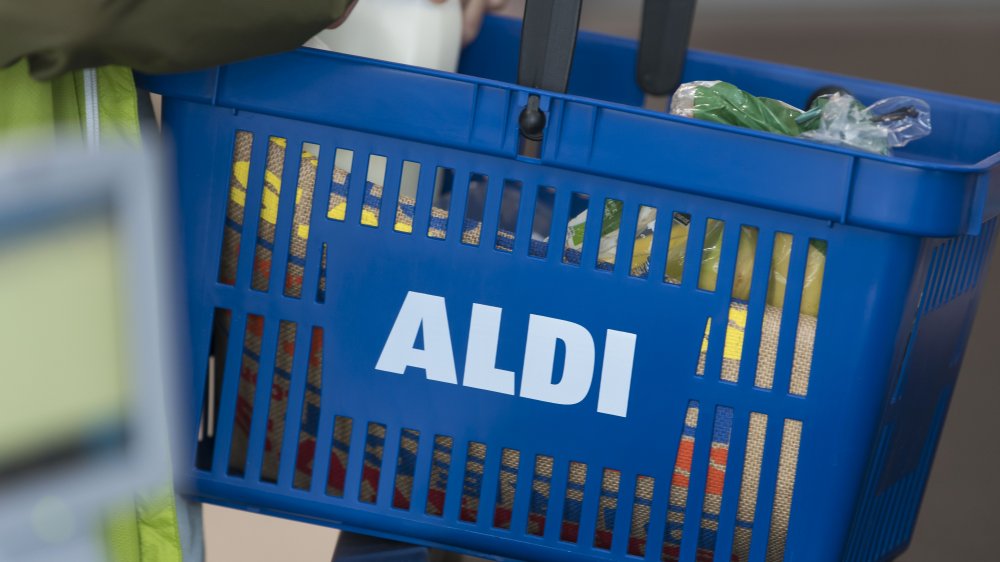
<point>711,252</point>
<point>426,34</point>
<point>837,118</point>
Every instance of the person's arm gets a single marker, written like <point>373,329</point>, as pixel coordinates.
<point>155,36</point>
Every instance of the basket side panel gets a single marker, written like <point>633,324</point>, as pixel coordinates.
<point>918,400</point>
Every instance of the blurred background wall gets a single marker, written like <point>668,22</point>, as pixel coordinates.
<point>945,45</point>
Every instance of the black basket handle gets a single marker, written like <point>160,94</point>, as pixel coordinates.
<point>663,44</point>
<point>548,38</point>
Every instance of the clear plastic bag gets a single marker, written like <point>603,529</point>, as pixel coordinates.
<point>838,119</point>
<point>889,123</point>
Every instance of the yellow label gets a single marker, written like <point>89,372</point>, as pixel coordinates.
<point>269,207</point>
<point>238,196</point>
<point>241,170</point>
<point>734,333</point>
<point>273,179</point>
<point>338,212</point>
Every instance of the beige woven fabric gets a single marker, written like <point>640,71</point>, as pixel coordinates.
<point>747,506</point>
<point>768,354</point>
<point>804,343</point>
<point>235,210</point>
<point>300,225</point>
<point>266,227</point>
<point>780,513</point>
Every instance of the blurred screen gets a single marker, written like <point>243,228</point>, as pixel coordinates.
<point>62,343</point>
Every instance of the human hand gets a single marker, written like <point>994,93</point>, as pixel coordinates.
<point>473,12</point>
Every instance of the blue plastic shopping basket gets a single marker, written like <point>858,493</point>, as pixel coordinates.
<point>597,411</point>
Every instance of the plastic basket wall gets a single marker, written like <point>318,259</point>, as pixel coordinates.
<point>745,432</point>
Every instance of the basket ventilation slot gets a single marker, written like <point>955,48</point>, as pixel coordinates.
<point>246,390</point>
<point>475,207</point>
<point>407,201</point>
<point>212,390</point>
<point>267,223</point>
<point>340,183</point>
<point>340,451</point>
<point>277,409</point>
<point>472,486</point>
<point>576,482</point>
<point>440,467</point>
<point>406,466</point>
<point>541,225</point>
<point>309,420</point>
<point>232,233</point>
<point>541,491</point>
<point>372,468</point>
<point>607,509</point>
<point>510,205</point>
<point>510,461</point>
<point>298,241</point>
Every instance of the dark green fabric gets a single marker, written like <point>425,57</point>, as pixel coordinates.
<point>154,36</point>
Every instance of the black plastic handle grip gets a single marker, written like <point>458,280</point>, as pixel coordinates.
<point>548,39</point>
<point>663,44</point>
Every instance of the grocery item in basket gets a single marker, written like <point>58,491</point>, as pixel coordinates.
<point>540,509</point>
<point>889,123</point>
<point>425,34</point>
<point>721,102</point>
<point>838,118</point>
<point>711,250</point>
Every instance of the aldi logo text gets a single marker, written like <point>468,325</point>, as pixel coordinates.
<point>428,313</point>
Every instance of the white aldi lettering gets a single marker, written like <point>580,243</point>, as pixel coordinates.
<point>428,314</point>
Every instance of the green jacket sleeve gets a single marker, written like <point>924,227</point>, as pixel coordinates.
<point>155,36</point>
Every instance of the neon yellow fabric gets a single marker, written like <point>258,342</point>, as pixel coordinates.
<point>45,108</point>
<point>122,535</point>
<point>37,107</point>
<point>146,531</point>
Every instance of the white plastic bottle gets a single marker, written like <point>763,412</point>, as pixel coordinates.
<point>414,32</point>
